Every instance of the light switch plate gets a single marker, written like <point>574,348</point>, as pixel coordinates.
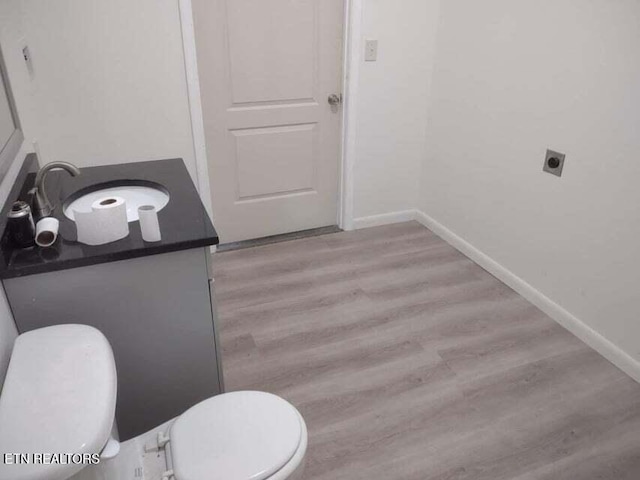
<point>371,51</point>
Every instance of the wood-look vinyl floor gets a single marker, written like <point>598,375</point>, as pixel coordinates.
<point>408,361</point>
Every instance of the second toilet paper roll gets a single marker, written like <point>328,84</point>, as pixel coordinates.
<point>105,223</point>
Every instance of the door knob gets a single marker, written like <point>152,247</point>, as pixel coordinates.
<point>334,100</point>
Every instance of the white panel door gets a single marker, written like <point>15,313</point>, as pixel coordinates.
<point>267,70</point>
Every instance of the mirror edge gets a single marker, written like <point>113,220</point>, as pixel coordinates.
<point>10,150</point>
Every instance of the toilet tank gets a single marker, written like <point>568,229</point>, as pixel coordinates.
<point>59,397</point>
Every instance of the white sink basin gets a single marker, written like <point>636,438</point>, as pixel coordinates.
<point>134,195</point>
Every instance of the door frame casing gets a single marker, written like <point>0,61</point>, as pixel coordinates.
<point>195,102</point>
<point>351,56</point>
<point>351,59</point>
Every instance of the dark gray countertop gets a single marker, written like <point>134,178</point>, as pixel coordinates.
<point>184,222</point>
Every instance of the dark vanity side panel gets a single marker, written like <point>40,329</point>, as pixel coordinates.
<point>155,311</point>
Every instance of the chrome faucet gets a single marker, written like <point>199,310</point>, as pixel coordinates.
<point>41,204</point>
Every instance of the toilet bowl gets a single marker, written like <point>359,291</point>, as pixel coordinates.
<point>59,398</point>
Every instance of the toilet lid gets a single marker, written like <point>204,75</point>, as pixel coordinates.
<point>235,436</point>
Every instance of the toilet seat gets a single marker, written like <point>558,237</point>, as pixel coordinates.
<point>235,436</point>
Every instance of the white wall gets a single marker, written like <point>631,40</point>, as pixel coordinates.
<point>11,34</point>
<point>110,82</point>
<point>110,87</point>
<point>391,104</point>
<point>511,79</point>
<point>8,334</point>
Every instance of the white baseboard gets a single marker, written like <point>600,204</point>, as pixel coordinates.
<point>384,219</point>
<point>604,347</point>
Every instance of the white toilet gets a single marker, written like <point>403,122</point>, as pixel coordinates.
<point>59,397</point>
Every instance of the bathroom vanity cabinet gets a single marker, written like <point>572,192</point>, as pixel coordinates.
<point>153,301</point>
<point>158,315</point>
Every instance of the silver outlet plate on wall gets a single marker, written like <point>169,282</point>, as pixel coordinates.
<point>554,163</point>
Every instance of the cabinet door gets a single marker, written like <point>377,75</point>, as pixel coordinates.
<point>216,323</point>
<point>216,333</point>
<point>156,312</point>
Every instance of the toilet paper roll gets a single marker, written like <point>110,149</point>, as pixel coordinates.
<point>47,231</point>
<point>105,223</point>
<point>149,225</point>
